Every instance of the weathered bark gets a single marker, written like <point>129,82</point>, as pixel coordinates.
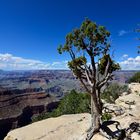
<point>96,113</point>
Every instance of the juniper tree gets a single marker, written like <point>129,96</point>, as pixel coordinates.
<point>91,63</point>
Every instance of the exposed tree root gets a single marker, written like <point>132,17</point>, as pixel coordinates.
<point>119,134</point>
<point>91,132</point>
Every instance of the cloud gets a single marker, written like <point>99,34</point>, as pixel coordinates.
<point>124,57</point>
<point>122,32</point>
<point>130,63</point>
<point>10,62</point>
<point>59,65</point>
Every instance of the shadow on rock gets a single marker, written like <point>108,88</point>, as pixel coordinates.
<point>119,133</point>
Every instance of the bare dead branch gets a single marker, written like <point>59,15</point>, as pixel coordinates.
<point>107,67</point>
<point>85,86</point>
<point>105,80</point>
<point>88,77</point>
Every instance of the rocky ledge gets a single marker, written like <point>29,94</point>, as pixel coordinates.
<point>66,127</point>
<point>75,126</point>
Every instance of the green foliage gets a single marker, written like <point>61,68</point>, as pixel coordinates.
<point>104,62</point>
<point>135,78</point>
<point>77,62</point>
<point>74,103</point>
<point>39,117</point>
<point>113,91</point>
<point>106,117</point>
<point>71,104</point>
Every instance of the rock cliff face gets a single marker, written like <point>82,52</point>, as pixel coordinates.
<point>74,127</point>
<point>17,110</point>
<point>53,81</point>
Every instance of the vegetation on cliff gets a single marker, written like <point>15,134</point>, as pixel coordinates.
<point>135,78</point>
<point>72,103</point>
<point>113,91</point>
<point>75,102</point>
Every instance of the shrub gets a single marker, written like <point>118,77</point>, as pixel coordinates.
<point>71,104</point>
<point>113,91</point>
<point>106,117</point>
<point>74,103</point>
<point>135,78</point>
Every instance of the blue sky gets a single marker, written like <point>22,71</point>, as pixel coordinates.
<point>31,30</point>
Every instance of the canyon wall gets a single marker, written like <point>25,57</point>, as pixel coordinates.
<point>17,110</point>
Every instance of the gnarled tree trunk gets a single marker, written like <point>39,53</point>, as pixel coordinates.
<point>96,112</point>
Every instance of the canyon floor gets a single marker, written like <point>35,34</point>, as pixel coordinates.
<point>74,126</point>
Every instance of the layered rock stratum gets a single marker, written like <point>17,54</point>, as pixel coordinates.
<point>17,110</point>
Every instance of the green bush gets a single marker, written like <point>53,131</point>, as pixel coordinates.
<point>71,104</point>
<point>106,117</point>
<point>113,91</point>
<point>74,103</point>
<point>135,78</point>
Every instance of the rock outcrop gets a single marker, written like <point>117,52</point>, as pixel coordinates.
<point>131,102</point>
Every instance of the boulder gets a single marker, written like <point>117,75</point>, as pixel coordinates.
<point>115,110</point>
<point>134,87</point>
<point>131,104</point>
